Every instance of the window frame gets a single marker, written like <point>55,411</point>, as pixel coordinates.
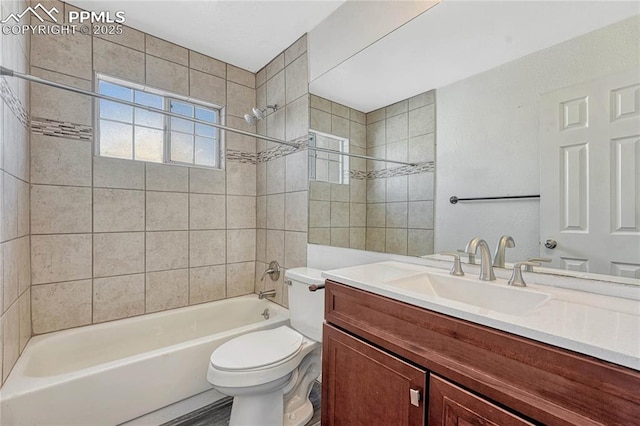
<point>344,159</point>
<point>167,97</point>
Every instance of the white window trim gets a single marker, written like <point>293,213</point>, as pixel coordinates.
<point>344,159</point>
<point>166,154</point>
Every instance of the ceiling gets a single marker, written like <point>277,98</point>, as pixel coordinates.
<point>457,39</point>
<point>247,34</point>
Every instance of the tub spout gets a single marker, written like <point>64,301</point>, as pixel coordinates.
<point>268,293</point>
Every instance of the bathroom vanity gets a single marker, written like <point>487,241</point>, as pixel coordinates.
<point>395,354</point>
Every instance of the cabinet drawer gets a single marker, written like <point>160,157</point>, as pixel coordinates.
<point>362,385</point>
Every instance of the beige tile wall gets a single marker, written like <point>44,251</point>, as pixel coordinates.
<point>15,275</point>
<point>117,238</point>
<point>399,211</point>
<point>337,213</point>
<point>282,183</point>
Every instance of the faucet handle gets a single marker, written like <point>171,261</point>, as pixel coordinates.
<point>529,268</point>
<point>470,256</point>
<point>456,269</point>
<point>516,279</point>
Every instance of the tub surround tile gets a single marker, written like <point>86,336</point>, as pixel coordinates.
<point>207,211</point>
<point>130,38</point>
<point>10,339</point>
<point>275,66</point>
<point>166,50</point>
<point>168,75</point>
<point>73,54</point>
<point>207,283</point>
<point>167,250</point>
<point>45,101</point>
<point>207,248</point>
<point>25,318</point>
<point>275,246</point>
<point>241,212</point>
<point>240,278</point>
<point>241,245</point>
<point>295,50</point>
<point>340,237</point>
<point>241,179</point>
<point>118,253</point>
<point>297,79</point>
<point>295,244</point>
<point>57,161</point>
<point>118,210</point>
<point>207,181</point>
<point>60,209</point>
<point>200,62</point>
<point>241,76</point>
<point>118,297</point>
<point>275,211</point>
<point>56,258</point>
<point>118,61</point>
<point>240,99</point>
<point>167,290</point>
<point>165,177</point>
<point>167,211</point>
<point>61,305</point>
<point>118,174</point>
<point>207,87</point>
<point>296,218</point>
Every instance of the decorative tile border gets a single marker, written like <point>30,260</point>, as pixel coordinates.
<point>427,166</point>
<point>241,157</point>
<point>283,150</point>
<point>13,102</point>
<point>61,129</point>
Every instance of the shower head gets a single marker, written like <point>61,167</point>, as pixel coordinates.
<point>258,114</point>
<point>250,119</point>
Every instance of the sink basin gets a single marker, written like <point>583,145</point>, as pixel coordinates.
<point>495,296</point>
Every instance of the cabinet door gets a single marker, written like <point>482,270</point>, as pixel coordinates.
<point>363,385</point>
<point>450,405</point>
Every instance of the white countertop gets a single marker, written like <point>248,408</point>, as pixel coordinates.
<point>605,327</point>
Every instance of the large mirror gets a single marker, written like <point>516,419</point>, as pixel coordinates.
<point>533,107</point>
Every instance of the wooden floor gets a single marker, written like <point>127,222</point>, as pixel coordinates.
<point>218,413</point>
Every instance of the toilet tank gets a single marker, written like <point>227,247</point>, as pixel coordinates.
<point>306,308</point>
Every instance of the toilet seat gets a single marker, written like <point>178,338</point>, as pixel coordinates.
<point>260,349</point>
<point>272,367</point>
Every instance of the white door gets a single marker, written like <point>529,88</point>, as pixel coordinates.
<point>590,176</point>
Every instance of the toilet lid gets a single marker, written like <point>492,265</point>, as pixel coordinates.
<point>257,349</point>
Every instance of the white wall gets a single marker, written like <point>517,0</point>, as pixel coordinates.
<point>487,136</point>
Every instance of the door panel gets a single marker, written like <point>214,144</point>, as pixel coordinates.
<point>363,385</point>
<point>590,176</point>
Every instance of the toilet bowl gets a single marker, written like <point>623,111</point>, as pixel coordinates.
<point>270,373</point>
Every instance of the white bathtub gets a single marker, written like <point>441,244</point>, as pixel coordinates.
<point>110,373</point>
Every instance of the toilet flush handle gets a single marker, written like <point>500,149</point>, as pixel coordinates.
<point>316,287</point>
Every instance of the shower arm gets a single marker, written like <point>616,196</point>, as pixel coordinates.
<point>11,73</point>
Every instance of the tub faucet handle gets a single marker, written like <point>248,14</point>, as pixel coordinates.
<point>273,271</point>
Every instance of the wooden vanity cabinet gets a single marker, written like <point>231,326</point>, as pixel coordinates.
<point>378,353</point>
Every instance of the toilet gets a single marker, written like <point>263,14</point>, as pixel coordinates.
<point>270,373</point>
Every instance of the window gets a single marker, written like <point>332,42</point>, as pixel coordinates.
<point>138,134</point>
<point>325,166</point>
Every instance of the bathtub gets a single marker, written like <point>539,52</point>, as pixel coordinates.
<point>110,373</point>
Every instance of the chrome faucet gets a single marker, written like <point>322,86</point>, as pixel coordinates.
<point>505,241</point>
<point>267,293</point>
<point>486,267</point>
<point>273,271</point>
